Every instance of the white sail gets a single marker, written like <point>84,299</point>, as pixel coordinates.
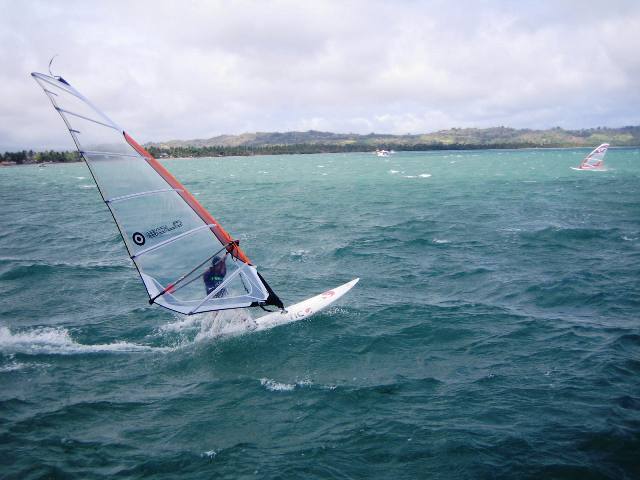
<point>595,160</point>
<point>170,237</point>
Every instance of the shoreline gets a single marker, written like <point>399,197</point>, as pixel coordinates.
<point>260,153</point>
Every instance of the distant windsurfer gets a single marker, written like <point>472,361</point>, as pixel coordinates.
<point>214,276</point>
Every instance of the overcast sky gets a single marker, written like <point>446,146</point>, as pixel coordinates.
<point>183,70</point>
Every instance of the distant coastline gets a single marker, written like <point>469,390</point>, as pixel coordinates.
<point>283,143</point>
<point>312,141</point>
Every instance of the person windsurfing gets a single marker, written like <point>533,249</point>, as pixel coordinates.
<point>214,276</point>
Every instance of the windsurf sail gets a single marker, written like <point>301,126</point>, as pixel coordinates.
<point>172,239</point>
<point>595,160</point>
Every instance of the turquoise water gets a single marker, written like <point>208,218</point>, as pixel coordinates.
<point>495,332</point>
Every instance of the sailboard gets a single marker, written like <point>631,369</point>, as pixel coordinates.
<point>304,309</point>
<point>186,260</point>
<point>595,160</point>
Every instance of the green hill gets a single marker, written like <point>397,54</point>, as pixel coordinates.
<point>456,138</point>
<point>312,141</point>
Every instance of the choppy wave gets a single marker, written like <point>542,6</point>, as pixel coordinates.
<point>275,386</point>
<point>58,341</point>
<point>10,364</point>
<point>567,234</point>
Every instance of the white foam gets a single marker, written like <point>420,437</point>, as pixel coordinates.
<point>394,171</point>
<point>438,240</point>
<point>14,365</point>
<point>410,176</point>
<point>211,325</point>
<point>183,323</point>
<point>49,340</point>
<point>424,175</point>
<point>87,186</point>
<point>274,386</point>
<point>225,323</point>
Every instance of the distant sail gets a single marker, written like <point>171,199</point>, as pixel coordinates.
<point>169,235</point>
<point>595,160</point>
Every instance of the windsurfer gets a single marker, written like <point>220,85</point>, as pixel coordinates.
<point>214,276</point>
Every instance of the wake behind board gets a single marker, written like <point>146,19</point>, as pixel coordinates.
<point>589,169</point>
<point>303,309</point>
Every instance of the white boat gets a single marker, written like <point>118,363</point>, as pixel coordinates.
<point>186,260</point>
<point>595,160</point>
<point>382,153</point>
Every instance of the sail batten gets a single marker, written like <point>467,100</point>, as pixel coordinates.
<point>113,154</point>
<point>69,112</point>
<point>164,228</point>
<point>139,194</point>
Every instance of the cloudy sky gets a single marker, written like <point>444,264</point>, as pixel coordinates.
<point>196,69</point>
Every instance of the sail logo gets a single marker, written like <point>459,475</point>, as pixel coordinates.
<point>157,231</point>
<point>138,238</point>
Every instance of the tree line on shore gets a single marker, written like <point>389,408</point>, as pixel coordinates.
<point>29,156</point>
<point>52,156</point>
<point>307,148</point>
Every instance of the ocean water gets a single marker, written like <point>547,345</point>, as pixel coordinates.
<point>495,332</point>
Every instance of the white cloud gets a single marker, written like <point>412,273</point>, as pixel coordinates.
<point>168,70</point>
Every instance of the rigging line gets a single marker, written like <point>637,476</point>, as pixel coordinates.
<point>50,63</point>
<point>267,310</point>
<point>172,285</point>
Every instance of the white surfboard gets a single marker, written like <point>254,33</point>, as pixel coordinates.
<point>303,309</point>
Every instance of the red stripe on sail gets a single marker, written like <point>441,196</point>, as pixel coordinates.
<point>218,231</point>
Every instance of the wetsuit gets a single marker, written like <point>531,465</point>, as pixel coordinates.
<point>214,277</point>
